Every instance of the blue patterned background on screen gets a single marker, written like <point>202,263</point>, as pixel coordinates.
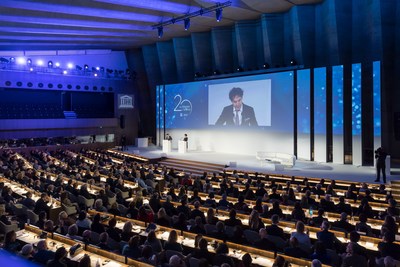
<point>377,97</point>
<point>356,99</point>
<point>320,101</point>
<point>303,101</point>
<point>337,99</point>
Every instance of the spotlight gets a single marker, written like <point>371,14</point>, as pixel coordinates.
<point>266,65</point>
<point>29,62</point>
<point>12,59</point>
<point>86,66</point>
<point>239,69</point>
<point>187,24</point>
<point>160,31</point>
<point>65,72</point>
<point>21,61</point>
<point>95,75</point>
<point>218,14</point>
<point>40,62</point>
<point>70,65</point>
<point>293,62</point>
<point>57,64</point>
<point>50,64</point>
<point>31,69</point>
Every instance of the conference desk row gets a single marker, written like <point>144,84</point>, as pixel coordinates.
<point>187,239</point>
<point>32,235</point>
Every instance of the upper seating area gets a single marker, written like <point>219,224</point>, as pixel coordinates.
<point>30,111</point>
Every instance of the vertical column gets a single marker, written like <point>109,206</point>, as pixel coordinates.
<point>356,113</point>
<point>320,114</point>
<point>303,114</point>
<point>376,68</point>
<point>337,115</point>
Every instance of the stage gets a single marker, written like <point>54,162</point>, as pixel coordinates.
<point>250,163</point>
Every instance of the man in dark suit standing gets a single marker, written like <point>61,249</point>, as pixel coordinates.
<point>237,114</point>
<point>380,156</point>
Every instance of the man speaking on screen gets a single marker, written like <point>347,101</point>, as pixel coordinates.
<point>237,114</point>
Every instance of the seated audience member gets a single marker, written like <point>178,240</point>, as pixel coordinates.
<point>247,261</point>
<point>172,242</point>
<point>320,253</point>
<point>387,247</point>
<point>357,248</point>
<point>238,235</point>
<point>43,254</point>
<point>265,213</point>
<point>210,201</point>
<point>264,243</point>
<point>132,249</point>
<point>97,226</point>
<point>181,223</point>
<point>255,222</point>
<point>280,262</point>
<point>219,232</point>
<point>342,206</point>
<point>232,221</point>
<point>176,261</point>
<point>196,212</point>
<point>82,221</point>
<point>198,227</point>
<point>42,219</point>
<point>241,205</point>
<point>153,242</point>
<point>224,202</point>
<point>351,258</point>
<point>343,223</point>
<point>274,195</point>
<point>148,255</point>
<point>163,219</point>
<point>98,205</point>
<point>87,237</point>
<point>302,238</point>
<point>317,221</point>
<point>202,251</point>
<point>276,209</point>
<point>298,213</point>
<point>10,242</point>
<point>127,233</point>
<point>73,232</point>
<point>294,250</point>
<point>28,201</point>
<point>221,256</point>
<point>103,244</point>
<point>211,218</point>
<point>59,258</point>
<point>390,225</point>
<point>146,214</point>
<point>27,252</point>
<point>362,225</point>
<point>113,232</point>
<point>274,229</point>
<point>328,238</point>
<point>316,263</point>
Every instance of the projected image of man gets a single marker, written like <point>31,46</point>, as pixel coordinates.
<point>237,114</point>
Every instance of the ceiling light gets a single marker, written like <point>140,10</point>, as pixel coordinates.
<point>187,24</point>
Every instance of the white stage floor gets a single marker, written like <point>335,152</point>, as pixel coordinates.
<point>250,163</point>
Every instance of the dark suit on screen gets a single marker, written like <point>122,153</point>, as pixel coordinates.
<point>227,116</point>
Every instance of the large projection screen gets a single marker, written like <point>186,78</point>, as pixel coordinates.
<point>206,111</point>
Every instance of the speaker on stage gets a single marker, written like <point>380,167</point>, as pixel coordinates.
<point>122,121</point>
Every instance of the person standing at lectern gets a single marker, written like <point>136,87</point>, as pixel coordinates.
<point>237,114</point>
<point>168,137</point>
<point>186,139</point>
<point>380,156</point>
<point>123,142</point>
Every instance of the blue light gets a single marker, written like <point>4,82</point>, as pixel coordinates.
<point>187,24</point>
<point>218,14</point>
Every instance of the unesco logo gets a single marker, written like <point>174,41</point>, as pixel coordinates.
<point>183,106</point>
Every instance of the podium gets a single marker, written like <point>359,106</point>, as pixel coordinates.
<point>166,146</point>
<point>182,146</point>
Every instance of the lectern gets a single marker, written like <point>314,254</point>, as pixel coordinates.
<point>182,146</point>
<point>166,146</point>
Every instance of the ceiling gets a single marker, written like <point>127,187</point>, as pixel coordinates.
<point>115,24</point>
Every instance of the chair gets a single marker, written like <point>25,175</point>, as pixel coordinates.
<point>123,195</point>
<point>32,217</point>
<point>69,209</point>
<point>94,237</point>
<point>114,245</point>
<point>210,228</point>
<point>18,209</point>
<point>251,236</point>
<point>4,228</point>
<point>112,200</point>
<point>87,202</point>
<point>280,244</point>
<point>229,230</point>
<point>122,209</point>
<point>335,258</point>
<point>170,253</point>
